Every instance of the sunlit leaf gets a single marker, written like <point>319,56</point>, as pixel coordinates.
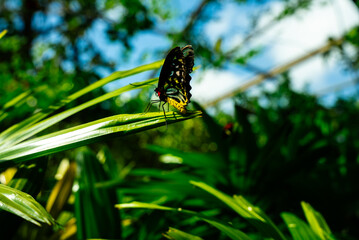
<point>298,228</point>
<point>245,209</point>
<point>31,126</point>
<point>61,191</point>
<point>23,205</point>
<point>317,222</point>
<point>119,125</point>
<point>231,232</point>
<point>175,234</point>
<point>3,33</point>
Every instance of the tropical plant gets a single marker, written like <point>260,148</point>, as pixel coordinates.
<point>20,146</point>
<point>273,155</point>
<point>317,228</point>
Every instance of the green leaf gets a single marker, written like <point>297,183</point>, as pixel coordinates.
<point>196,160</point>
<point>3,33</point>
<point>243,59</point>
<point>118,125</point>
<point>23,205</point>
<point>233,233</point>
<point>28,128</point>
<point>175,234</point>
<point>245,209</point>
<point>31,126</point>
<point>317,222</point>
<point>229,231</point>
<point>18,100</point>
<point>298,228</point>
<point>93,206</point>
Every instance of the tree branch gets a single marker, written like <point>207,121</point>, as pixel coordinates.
<point>277,70</point>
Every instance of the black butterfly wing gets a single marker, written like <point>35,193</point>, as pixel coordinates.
<point>176,69</point>
<point>188,53</point>
<point>174,81</point>
<point>167,67</point>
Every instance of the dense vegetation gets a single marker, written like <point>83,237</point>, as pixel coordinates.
<point>75,158</point>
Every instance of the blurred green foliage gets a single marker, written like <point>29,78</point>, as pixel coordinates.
<point>276,150</point>
<point>289,149</point>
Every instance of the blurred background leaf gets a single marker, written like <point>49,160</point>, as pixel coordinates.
<point>69,64</point>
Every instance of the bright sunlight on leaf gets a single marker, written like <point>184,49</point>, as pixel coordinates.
<point>23,205</point>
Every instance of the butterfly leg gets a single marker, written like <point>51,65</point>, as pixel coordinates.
<point>149,105</point>
<point>164,112</point>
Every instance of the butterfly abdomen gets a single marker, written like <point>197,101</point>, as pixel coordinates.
<point>179,105</point>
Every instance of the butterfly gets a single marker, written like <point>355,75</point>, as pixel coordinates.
<point>174,81</point>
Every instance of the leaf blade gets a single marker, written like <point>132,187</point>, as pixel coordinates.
<point>233,233</point>
<point>23,205</point>
<point>118,125</point>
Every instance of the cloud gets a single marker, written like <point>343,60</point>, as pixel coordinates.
<point>285,41</point>
<point>306,31</point>
<point>213,83</point>
<point>228,22</point>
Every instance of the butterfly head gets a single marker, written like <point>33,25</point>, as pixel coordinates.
<point>161,94</point>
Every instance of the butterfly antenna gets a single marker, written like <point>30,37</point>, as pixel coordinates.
<point>139,85</point>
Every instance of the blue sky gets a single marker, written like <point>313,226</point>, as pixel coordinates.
<point>286,41</point>
<point>230,21</point>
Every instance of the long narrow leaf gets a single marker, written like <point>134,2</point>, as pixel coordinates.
<point>19,136</point>
<point>119,125</point>
<point>4,111</point>
<point>317,222</point>
<point>229,231</point>
<point>94,206</point>
<point>233,233</point>
<point>3,33</point>
<point>61,192</point>
<point>175,234</point>
<point>298,228</point>
<point>23,205</point>
<point>13,132</point>
<point>245,209</point>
